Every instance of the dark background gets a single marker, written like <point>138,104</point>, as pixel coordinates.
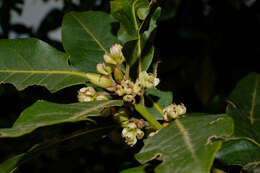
<point>205,48</point>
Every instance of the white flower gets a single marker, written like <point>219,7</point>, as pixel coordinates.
<point>131,133</point>
<point>90,91</point>
<point>86,94</point>
<point>148,80</point>
<point>173,111</point>
<point>127,86</point>
<point>137,87</point>
<point>129,98</point>
<point>119,90</point>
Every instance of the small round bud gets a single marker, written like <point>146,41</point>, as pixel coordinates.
<point>139,134</point>
<point>148,80</point>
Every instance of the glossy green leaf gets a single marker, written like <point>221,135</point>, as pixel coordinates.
<point>26,62</point>
<point>188,144</point>
<point>244,107</point>
<point>44,113</point>
<point>87,36</point>
<point>239,151</point>
<point>157,100</point>
<point>243,147</point>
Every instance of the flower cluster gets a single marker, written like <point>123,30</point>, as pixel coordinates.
<point>113,78</point>
<point>131,133</point>
<point>173,111</point>
<point>129,90</point>
<point>89,94</point>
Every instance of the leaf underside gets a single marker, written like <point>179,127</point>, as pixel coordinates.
<point>43,113</point>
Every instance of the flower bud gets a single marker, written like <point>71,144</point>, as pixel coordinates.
<point>121,117</point>
<point>109,59</point>
<point>116,53</point>
<point>181,109</point>
<point>118,75</point>
<point>100,80</point>
<point>139,134</point>
<point>104,69</point>
<point>101,97</point>
<point>86,94</point>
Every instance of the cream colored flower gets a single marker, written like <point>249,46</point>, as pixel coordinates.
<point>148,80</point>
<point>173,111</point>
<point>131,133</point>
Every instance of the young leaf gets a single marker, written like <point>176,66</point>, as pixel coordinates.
<point>44,113</point>
<point>188,144</point>
<point>126,13</point>
<point>9,166</point>
<point>25,62</point>
<point>87,36</point>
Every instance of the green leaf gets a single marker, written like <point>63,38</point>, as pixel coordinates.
<point>239,151</point>
<point>188,144</point>
<point>91,135</point>
<point>139,169</point>
<point>9,166</point>
<point>126,13</point>
<point>87,36</point>
<point>25,62</point>
<point>158,100</point>
<point>244,107</point>
<point>44,113</point>
<point>243,147</point>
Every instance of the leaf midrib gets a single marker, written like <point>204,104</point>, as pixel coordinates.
<point>75,73</point>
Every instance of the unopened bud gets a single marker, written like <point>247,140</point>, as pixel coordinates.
<point>101,97</point>
<point>137,88</point>
<point>109,59</point>
<point>139,134</point>
<point>116,53</point>
<point>100,80</point>
<point>118,75</point>
<point>104,69</point>
<point>121,117</point>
